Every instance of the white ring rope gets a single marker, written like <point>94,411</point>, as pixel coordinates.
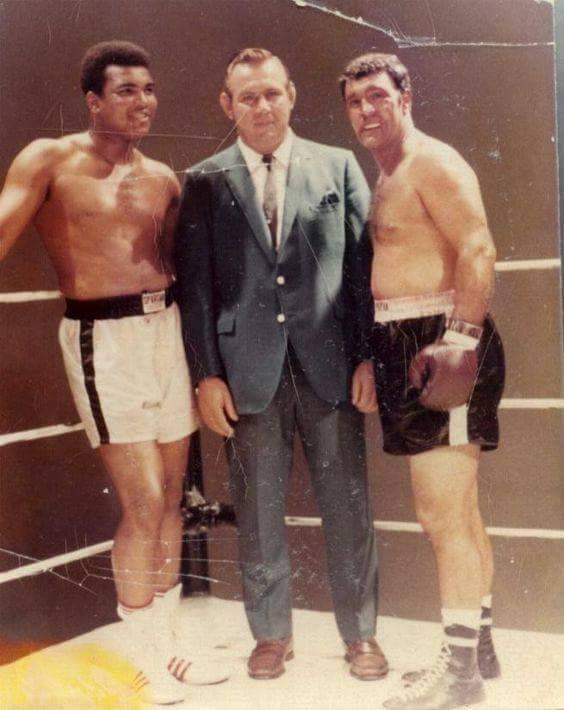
<point>26,296</point>
<point>291,521</point>
<point>399,526</point>
<point>58,429</point>
<point>394,526</point>
<point>515,265</point>
<point>525,403</point>
<point>527,264</point>
<point>57,561</point>
<point>41,433</point>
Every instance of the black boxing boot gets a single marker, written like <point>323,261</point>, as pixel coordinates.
<point>412,677</point>
<point>452,682</point>
<point>487,658</point>
<point>488,663</point>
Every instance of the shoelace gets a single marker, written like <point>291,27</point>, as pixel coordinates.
<point>429,677</point>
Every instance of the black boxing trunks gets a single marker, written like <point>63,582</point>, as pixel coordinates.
<point>404,326</point>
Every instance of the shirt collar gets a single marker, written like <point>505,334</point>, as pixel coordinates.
<point>282,153</point>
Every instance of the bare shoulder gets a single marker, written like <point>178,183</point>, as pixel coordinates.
<point>41,156</point>
<point>437,164</point>
<point>161,170</point>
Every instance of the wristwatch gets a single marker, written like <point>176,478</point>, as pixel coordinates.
<point>460,332</point>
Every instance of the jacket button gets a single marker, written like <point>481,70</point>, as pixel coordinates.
<point>281,318</point>
<point>280,280</point>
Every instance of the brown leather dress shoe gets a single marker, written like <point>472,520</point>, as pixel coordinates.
<point>268,657</point>
<point>366,659</point>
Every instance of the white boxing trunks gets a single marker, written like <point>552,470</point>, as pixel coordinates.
<point>126,367</point>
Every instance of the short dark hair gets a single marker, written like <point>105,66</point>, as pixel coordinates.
<point>250,55</point>
<point>101,55</point>
<point>374,63</point>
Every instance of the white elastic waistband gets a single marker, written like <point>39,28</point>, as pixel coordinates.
<point>427,304</point>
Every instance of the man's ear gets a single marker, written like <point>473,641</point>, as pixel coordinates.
<point>92,102</point>
<point>226,104</point>
<point>406,99</point>
<point>292,92</point>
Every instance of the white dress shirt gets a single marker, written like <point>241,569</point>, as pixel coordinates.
<point>259,171</point>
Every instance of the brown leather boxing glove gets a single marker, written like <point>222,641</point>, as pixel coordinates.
<point>445,371</point>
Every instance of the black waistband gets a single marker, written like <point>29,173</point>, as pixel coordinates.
<point>135,304</point>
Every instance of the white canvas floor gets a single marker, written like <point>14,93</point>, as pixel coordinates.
<point>317,679</point>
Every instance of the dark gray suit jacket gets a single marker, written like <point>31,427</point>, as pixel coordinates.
<point>234,289</point>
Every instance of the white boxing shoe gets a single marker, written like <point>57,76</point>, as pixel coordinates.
<point>153,683</point>
<point>159,688</point>
<point>167,623</point>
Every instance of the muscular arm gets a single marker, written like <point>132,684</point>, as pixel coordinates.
<point>169,225</point>
<point>450,192</point>
<point>24,191</point>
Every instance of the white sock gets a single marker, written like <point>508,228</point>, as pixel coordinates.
<point>129,612</point>
<point>461,626</point>
<point>486,617</point>
<point>173,592</point>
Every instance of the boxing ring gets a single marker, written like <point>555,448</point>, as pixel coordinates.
<point>41,566</point>
<point>58,511</point>
<point>227,642</point>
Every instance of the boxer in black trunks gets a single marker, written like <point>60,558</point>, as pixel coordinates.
<point>438,360</point>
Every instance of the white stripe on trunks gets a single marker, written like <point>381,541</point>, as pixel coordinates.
<point>458,425</point>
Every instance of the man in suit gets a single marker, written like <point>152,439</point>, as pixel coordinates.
<point>273,278</point>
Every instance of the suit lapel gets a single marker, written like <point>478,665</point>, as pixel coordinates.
<point>299,163</point>
<point>241,184</point>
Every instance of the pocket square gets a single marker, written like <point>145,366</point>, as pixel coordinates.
<point>329,199</point>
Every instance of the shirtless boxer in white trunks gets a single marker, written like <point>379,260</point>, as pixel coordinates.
<point>106,214</point>
<point>438,360</point>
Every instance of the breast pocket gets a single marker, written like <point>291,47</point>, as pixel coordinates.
<point>328,202</point>
<point>225,324</point>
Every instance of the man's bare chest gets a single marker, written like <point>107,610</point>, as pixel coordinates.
<point>135,197</point>
<point>396,207</point>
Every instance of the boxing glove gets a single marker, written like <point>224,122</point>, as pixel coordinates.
<point>445,371</point>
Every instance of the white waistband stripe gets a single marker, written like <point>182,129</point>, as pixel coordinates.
<point>427,304</point>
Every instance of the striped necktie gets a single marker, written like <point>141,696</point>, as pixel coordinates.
<point>269,202</point>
